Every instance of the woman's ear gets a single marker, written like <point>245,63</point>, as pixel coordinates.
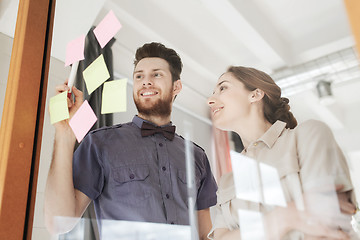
<point>256,95</point>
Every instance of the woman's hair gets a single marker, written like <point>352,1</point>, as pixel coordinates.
<point>275,107</point>
<point>155,49</point>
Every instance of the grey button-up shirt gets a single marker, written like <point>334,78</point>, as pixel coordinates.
<point>135,178</point>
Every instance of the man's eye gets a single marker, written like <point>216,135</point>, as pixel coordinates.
<point>222,88</point>
<point>157,75</point>
<point>138,76</point>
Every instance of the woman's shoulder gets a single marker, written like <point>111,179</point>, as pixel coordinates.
<point>226,180</point>
<point>312,125</point>
<point>310,129</point>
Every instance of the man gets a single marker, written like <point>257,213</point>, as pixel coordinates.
<point>129,172</point>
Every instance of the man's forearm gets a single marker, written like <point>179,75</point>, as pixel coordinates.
<point>59,193</point>
<point>204,223</point>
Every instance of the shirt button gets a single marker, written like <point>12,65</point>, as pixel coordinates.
<point>132,176</point>
<point>160,144</point>
<point>167,196</point>
<point>163,168</point>
<point>255,144</point>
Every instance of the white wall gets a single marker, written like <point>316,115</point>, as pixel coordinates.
<point>5,53</point>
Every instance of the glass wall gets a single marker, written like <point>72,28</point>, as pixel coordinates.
<point>286,183</point>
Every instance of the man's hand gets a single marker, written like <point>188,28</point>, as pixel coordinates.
<point>63,127</point>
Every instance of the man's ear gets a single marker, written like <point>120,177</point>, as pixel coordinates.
<point>177,86</point>
<point>256,95</point>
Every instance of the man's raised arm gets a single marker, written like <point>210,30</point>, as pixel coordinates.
<point>61,199</point>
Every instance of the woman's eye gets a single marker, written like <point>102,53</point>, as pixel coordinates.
<point>138,76</point>
<point>222,88</point>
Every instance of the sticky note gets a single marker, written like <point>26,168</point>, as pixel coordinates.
<point>107,29</point>
<point>114,96</point>
<point>95,74</point>
<point>75,50</point>
<point>82,121</point>
<point>58,108</point>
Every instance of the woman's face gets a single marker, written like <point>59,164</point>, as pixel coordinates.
<point>230,102</point>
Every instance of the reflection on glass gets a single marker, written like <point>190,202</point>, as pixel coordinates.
<point>321,198</point>
<point>124,230</point>
<point>246,177</point>
<point>190,177</point>
<point>322,204</point>
<point>251,225</point>
<point>271,186</point>
<point>256,182</point>
<point>355,222</point>
<point>316,207</point>
<point>78,233</point>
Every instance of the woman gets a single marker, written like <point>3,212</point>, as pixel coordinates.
<point>249,102</point>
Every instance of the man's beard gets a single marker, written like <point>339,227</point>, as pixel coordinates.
<point>161,108</point>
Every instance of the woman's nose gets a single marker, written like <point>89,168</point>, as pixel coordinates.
<point>211,101</point>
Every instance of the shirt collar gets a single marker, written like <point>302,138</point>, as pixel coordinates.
<point>138,121</point>
<point>273,133</point>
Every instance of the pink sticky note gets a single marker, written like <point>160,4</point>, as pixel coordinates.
<point>75,50</point>
<point>82,121</point>
<point>107,29</point>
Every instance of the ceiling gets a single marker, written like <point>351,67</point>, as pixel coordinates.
<point>297,42</point>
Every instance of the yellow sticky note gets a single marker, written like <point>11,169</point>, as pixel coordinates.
<point>95,74</point>
<point>114,96</point>
<point>58,108</point>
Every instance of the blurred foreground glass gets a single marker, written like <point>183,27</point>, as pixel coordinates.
<point>125,230</point>
<point>267,206</point>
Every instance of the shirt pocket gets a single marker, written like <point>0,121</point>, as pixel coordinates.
<point>130,183</point>
<point>181,176</point>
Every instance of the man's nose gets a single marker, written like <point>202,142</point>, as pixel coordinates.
<point>147,81</point>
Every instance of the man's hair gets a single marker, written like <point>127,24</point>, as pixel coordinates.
<point>155,49</point>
